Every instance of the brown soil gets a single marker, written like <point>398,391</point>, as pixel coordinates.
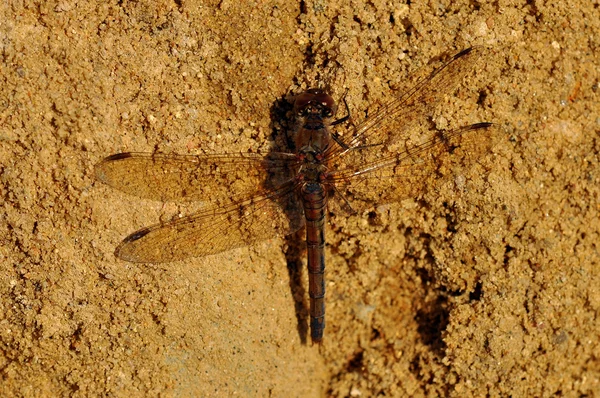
<point>491,289</point>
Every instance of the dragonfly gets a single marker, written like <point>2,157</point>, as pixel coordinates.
<point>250,197</point>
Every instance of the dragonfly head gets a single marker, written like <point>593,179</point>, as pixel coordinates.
<point>314,103</point>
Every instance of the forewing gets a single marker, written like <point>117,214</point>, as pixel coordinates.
<point>216,229</point>
<point>396,120</point>
<point>220,179</point>
<point>406,170</point>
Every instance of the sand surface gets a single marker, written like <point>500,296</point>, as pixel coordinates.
<point>484,286</point>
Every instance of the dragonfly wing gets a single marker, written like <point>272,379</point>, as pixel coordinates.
<point>221,179</point>
<point>395,176</point>
<point>396,120</point>
<point>216,229</point>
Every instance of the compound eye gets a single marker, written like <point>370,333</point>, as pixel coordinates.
<point>325,100</point>
<point>302,100</point>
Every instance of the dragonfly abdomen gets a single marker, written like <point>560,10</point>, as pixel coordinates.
<point>314,199</point>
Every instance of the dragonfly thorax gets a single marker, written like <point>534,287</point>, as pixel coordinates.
<point>312,169</point>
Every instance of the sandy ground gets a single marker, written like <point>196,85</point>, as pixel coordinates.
<point>490,289</point>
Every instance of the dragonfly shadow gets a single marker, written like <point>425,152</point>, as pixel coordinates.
<point>281,123</point>
<point>295,248</point>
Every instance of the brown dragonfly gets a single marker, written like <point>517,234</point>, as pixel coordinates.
<point>253,197</point>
